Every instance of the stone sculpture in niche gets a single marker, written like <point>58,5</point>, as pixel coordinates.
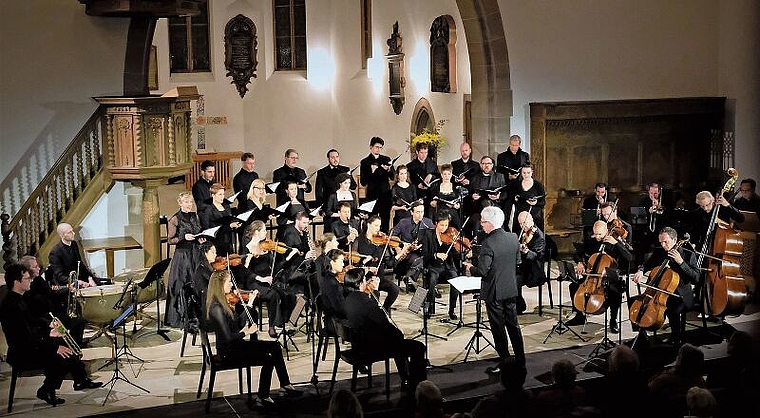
<point>240,51</point>
<point>396,79</point>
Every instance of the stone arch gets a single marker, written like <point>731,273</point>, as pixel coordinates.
<point>489,75</point>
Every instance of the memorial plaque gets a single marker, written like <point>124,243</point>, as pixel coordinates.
<point>240,52</point>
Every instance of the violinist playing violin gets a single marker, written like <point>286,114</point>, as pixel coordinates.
<point>382,257</point>
<point>676,306</point>
<point>613,285</point>
<point>297,262</point>
<point>441,261</point>
<point>409,230</point>
<point>331,288</point>
<point>530,271</point>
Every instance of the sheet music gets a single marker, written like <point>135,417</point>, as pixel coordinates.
<point>273,186</point>
<point>367,206</point>
<point>245,215</point>
<point>211,232</point>
<point>314,212</point>
<point>232,198</point>
<point>282,207</point>
<point>465,283</point>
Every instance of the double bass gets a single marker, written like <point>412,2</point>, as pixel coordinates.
<point>590,296</point>
<point>725,289</point>
<point>648,310</point>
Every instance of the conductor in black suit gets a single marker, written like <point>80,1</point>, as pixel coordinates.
<point>497,265</point>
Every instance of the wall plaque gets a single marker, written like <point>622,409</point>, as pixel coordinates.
<point>240,51</point>
<point>396,79</point>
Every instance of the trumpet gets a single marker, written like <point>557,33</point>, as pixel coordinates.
<point>71,306</point>
<point>68,339</point>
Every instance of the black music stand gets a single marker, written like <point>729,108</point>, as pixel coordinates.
<point>419,300</point>
<point>462,284</point>
<point>566,272</point>
<point>474,342</point>
<point>124,351</point>
<point>155,273</point>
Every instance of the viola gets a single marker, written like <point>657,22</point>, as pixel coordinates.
<point>278,247</point>
<point>356,258</point>
<point>236,296</point>
<point>392,241</point>
<point>528,235</point>
<point>222,263</point>
<point>452,236</point>
<point>590,296</point>
<point>617,230</point>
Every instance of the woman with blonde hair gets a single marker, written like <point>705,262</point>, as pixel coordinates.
<point>231,328</point>
<point>182,226</point>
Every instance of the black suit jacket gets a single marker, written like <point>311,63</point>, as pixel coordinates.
<point>497,265</point>
<point>286,173</point>
<point>63,260</point>
<point>326,184</point>
<point>28,336</point>
<point>373,330</point>
<point>532,266</point>
<point>377,182</point>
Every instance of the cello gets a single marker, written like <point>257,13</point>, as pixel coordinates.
<point>590,296</point>
<point>724,286</point>
<point>648,310</point>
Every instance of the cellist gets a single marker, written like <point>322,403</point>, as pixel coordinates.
<point>676,306</point>
<point>613,289</point>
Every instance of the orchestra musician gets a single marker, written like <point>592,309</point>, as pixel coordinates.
<point>191,302</point>
<point>655,206</point>
<point>592,205</point>
<point>342,195</point>
<point>528,195</point>
<point>676,306</point>
<point>383,257</point>
<point>231,329</point>
<point>512,159</point>
<point>444,197</point>
<point>422,171</point>
<point>65,257</point>
<point>202,187</point>
<point>287,173</point>
<point>331,288</point>
<point>409,230</point>
<point>403,194</point>
<point>530,271</point>
<point>440,260</point>
<point>747,199</point>
<point>257,273</point>
<point>613,283</point>
<point>297,261</point>
<point>376,334</point>
<point>376,171</point>
<point>344,226</point>
<point>218,214</point>
<point>241,183</point>
<point>182,228</point>
<point>700,217</point>
<point>36,343</point>
<point>42,299</point>
<point>327,181</point>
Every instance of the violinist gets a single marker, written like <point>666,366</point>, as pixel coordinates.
<point>331,288</point>
<point>688,275</point>
<point>190,303</point>
<point>344,227</point>
<point>441,261</point>
<point>613,284</point>
<point>231,329</point>
<point>372,243</point>
<point>376,334</point>
<point>409,230</point>
<point>256,273</point>
<point>530,271</point>
<point>297,262</point>
<point>702,215</point>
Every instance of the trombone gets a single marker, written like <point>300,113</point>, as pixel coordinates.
<point>68,339</point>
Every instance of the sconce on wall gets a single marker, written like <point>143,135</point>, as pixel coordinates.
<point>396,79</point>
<point>240,51</point>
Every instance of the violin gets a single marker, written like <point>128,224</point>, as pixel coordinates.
<point>278,247</point>
<point>451,236</point>
<point>356,258</point>
<point>392,241</point>
<point>236,296</point>
<point>528,235</point>
<point>222,263</point>
<point>617,230</point>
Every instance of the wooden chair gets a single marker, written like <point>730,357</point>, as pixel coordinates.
<point>357,358</point>
<point>324,332</point>
<point>16,372</point>
<point>214,363</point>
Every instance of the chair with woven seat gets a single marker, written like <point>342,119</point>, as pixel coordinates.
<point>214,363</point>
<point>357,358</point>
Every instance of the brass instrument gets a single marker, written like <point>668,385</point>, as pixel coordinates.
<point>659,210</point>
<point>68,339</point>
<point>71,305</point>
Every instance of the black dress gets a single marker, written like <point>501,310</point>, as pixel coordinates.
<point>401,197</point>
<point>183,264</point>
<point>443,203</point>
<point>212,217</point>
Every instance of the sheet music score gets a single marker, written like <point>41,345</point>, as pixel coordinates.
<point>466,283</point>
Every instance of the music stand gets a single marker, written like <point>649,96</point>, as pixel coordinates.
<point>419,300</point>
<point>117,374</point>
<point>463,284</point>
<point>639,215</point>
<point>156,272</point>
<point>566,272</point>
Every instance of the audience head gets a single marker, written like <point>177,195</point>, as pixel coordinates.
<point>344,404</point>
<point>623,361</point>
<point>740,346</point>
<point>428,399</point>
<point>512,374</point>
<point>690,360</point>
<point>563,373</point>
<point>700,402</point>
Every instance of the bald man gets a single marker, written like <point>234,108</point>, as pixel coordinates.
<point>530,272</point>
<point>66,257</point>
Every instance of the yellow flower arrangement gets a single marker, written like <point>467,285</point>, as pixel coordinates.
<point>432,139</point>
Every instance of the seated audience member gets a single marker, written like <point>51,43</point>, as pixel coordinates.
<point>344,404</point>
<point>700,403</point>
<point>560,399</point>
<point>738,377</point>
<point>428,400</point>
<point>669,388</point>
<point>513,400</point>
<point>624,379</point>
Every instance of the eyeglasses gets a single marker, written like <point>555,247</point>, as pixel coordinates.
<point>259,188</point>
<point>745,190</point>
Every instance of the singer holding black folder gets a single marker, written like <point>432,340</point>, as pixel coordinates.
<point>183,226</point>
<point>219,213</point>
<point>376,171</point>
<point>510,161</point>
<point>403,194</point>
<point>528,195</point>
